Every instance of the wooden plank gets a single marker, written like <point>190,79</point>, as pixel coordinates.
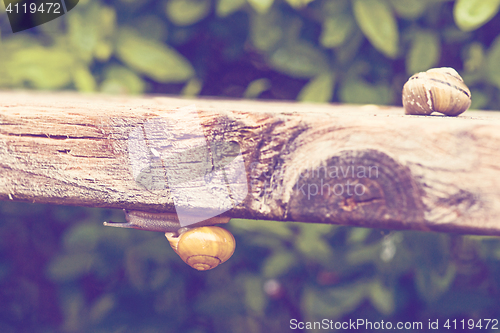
<point>355,165</point>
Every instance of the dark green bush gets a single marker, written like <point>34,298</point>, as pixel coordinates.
<point>62,271</point>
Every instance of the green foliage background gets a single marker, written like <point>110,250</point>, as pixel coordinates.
<point>359,51</point>
<point>61,271</point>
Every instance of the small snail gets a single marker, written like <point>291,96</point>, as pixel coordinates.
<point>203,248</point>
<point>201,245</point>
<point>438,89</point>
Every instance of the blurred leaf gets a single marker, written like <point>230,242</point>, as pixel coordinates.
<point>266,30</point>
<point>334,302</point>
<point>312,244</point>
<point>74,311</point>
<point>103,50</point>
<point>462,301</point>
<point>83,79</point>
<point>43,68</point>
<point>70,266</point>
<point>334,8</point>
<point>409,8</point>
<point>319,89</point>
<point>225,302</point>
<point>192,87</point>
<point>256,87</point>
<point>278,263</point>
<point>149,57</point>
<point>475,57</point>
<point>21,41</point>
<point>187,12</point>
<point>121,80</point>
<point>101,308</point>
<point>300,59</point>
<point>377,22</point>
<point>151,27</point>
<point>4,271</point>
<point>480,99</point>
<point>431,284</point>
<point>382,298</point>
<point>298,3</point>
<point>280,229</point>
<point>261,6</point>
<point>493,62</point>
<point>336,30</point>
<point>361,92</point>
<point>316,305</point>
<point>255,298</point>
<point>89,28</point>
<point>363,254</point>
<point>146,263</point>
<point>452,35</point>
<point>227,7</point>
<point>424,53</point>
<point>83,37</point>
<point>358,235</point>
<point>350,48</point>
<point>266,241</point>
<point>173,298</point>
<point>82,238</point>
<point>471,14</point>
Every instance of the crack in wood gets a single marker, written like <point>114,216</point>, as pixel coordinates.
<point>54,137</point>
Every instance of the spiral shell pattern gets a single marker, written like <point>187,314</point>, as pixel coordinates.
<point>203,248</point>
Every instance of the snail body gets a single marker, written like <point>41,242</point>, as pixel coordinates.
<point>203,248</point>
<point>436,90</point>
<point>161,222</point>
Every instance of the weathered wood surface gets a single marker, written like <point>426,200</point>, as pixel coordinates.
<point>302,162</point>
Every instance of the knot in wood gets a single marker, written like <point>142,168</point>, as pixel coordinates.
<point>358,187</point>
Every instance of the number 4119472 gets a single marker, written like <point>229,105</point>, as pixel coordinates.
<point>50,7</point>
<point>472,324</point>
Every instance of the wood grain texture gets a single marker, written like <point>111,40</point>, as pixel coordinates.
<point>354,165</point>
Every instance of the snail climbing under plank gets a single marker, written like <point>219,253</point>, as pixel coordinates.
<point>202,246</point>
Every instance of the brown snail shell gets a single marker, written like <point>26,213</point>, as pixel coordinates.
<point>438,89</point>
<point>203,248</point>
